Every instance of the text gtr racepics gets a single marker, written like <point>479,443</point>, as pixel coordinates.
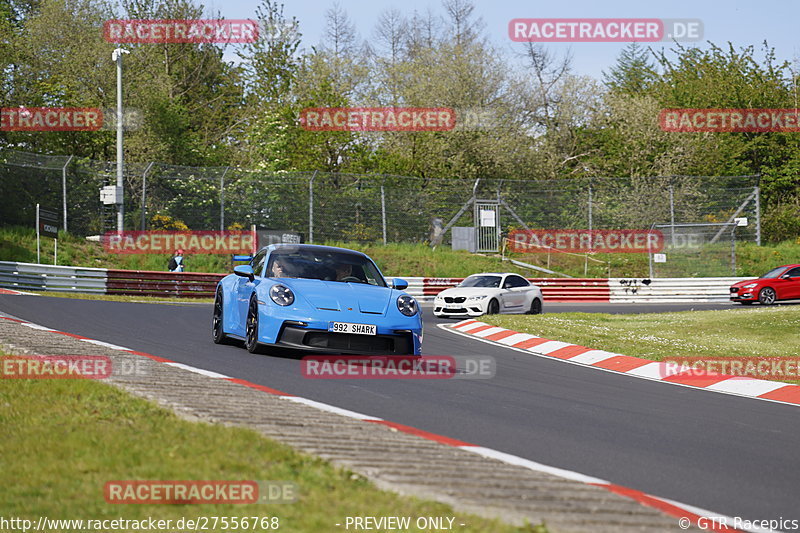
<point>318,299</point>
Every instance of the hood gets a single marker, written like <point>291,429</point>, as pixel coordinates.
<point>747,282</point>
<point>466,291</point>
<point>337,296</point>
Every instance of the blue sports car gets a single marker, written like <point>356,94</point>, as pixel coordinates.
<point>319,299</point>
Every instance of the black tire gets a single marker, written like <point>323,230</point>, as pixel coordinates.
<point>493,308</point>
<point>767,296</point>
<point>536,307</point>
<point>251,328</point>
<point>218,334</point>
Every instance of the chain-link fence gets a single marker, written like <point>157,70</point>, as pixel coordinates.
<point>352,207</point>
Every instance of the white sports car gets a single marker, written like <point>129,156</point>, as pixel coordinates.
<point>488,294</point>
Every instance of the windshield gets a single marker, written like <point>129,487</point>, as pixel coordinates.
<point>774,273</point>
<point>338,266</point>
<point>481,281</point>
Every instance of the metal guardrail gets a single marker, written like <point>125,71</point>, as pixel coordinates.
<point>30,276</point>
<point>52,278</point>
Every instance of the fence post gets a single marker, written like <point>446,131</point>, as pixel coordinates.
<point>757,193</point>
<point>222,199</point>
<point>383,213</point>
<point>144,195</point>
<point>672,212</point>
<point>590,210</point>
<point>311,207</point>
<point>64,189</point>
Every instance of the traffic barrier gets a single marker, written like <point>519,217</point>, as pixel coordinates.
<point>671,290</point>
<point>52,278</point>
<point>553,289</point>
<point>31,276</point>
<point>171,284</point>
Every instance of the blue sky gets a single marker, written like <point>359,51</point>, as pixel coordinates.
<point>741,22</point>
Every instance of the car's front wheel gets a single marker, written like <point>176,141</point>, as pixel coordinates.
<point>767,296</point>
<point>218,334</point>
<point>536,307</point>
<point>493,308</point>
<point>251,328</point>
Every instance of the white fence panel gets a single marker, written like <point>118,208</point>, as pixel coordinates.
<point>665,290</point>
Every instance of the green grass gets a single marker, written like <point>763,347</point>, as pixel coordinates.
<point>64,439</point>
<point>756,332</point>
<point>122,298</point>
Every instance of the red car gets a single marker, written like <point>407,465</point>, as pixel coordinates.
<point>782,283</point>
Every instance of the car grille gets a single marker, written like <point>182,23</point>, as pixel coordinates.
<point>455,300</point>
<point>400,344</point>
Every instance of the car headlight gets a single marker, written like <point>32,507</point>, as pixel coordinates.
<point>750,285</point>
<point>281,294</point>
<point>477,297</point>
<point>407,305</point>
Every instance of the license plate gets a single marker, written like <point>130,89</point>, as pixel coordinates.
<point>358,329</point>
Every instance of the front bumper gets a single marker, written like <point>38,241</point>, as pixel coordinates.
<point>467,308</point>
<point>324,341</point>
<point>744,295</point>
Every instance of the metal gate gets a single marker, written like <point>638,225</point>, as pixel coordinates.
<point>487,225</point>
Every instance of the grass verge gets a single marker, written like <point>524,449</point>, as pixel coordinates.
<point>757,332</point>
<point>69,437</point>
<point>122,298</point>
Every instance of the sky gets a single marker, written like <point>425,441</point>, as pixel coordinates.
<point>741,22</point>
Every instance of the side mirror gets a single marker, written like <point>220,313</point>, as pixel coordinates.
<point>246,271</point>
<point>399,284</point>
<point>786,276</point>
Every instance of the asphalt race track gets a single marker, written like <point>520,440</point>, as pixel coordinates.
<point>732,455</point>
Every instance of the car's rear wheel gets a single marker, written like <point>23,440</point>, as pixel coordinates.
<point>251,328</point>
<point>767,296</point>
<point>536,307</point>
<point>218,334</point>
<point>493,308</point>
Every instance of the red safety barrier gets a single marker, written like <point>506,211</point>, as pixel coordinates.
<point>553,289</point>
<point>171,284</point>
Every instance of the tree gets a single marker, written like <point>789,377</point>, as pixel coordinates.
<point>634,72</point>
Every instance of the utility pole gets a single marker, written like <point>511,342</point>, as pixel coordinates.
<point>116,56</point>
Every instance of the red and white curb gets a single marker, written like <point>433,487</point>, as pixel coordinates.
<point>679,510</point>
<point>10,291</point>
<point>759,389</point>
